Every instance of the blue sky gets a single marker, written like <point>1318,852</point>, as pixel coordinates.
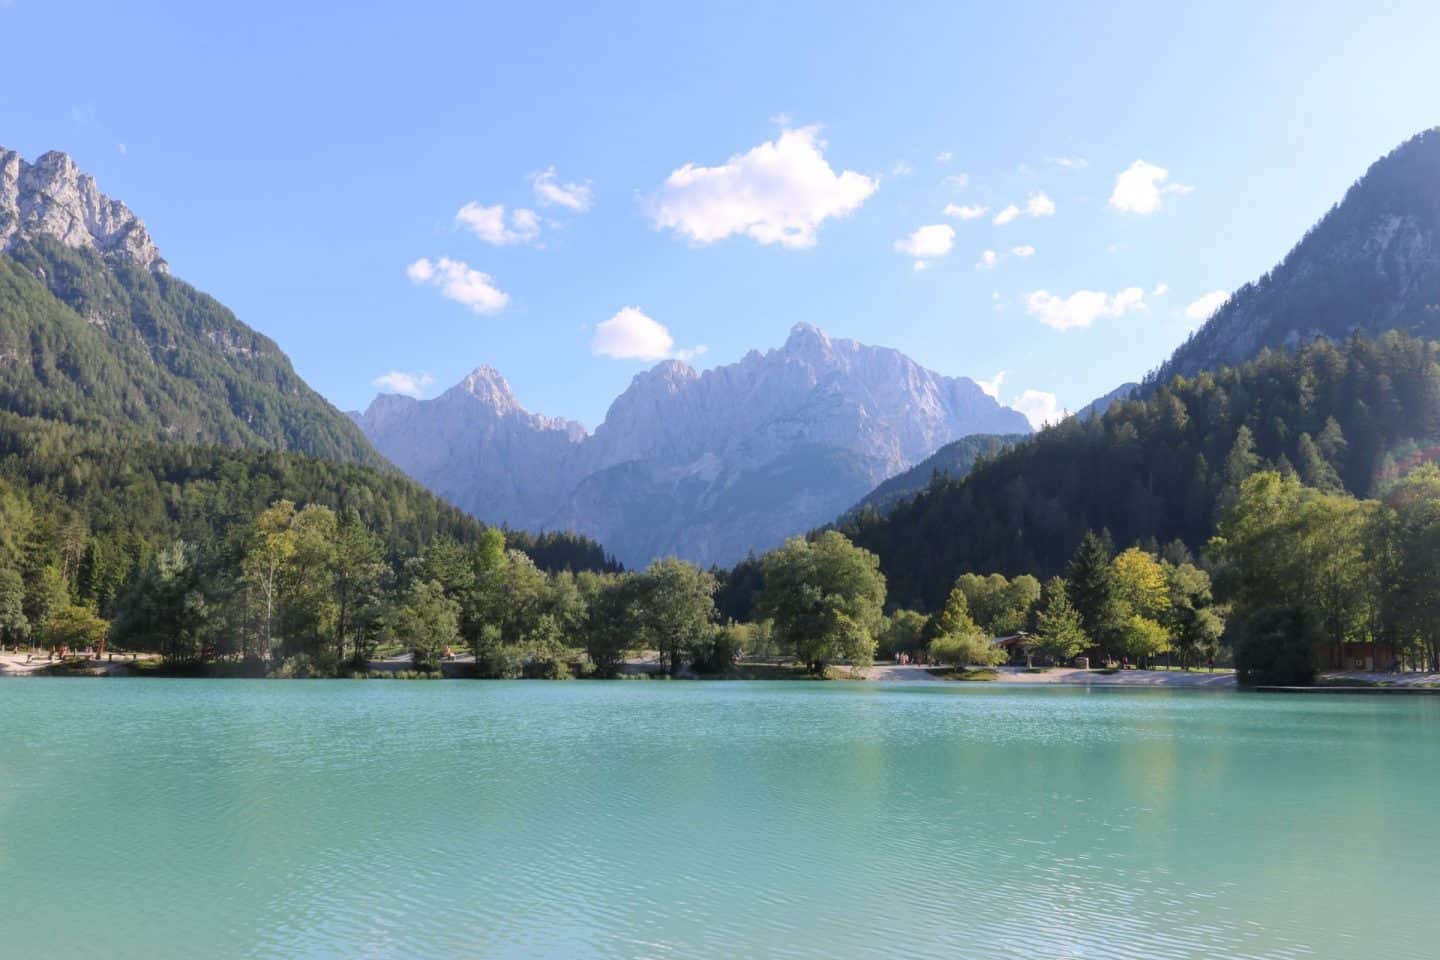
<point>307,168</point>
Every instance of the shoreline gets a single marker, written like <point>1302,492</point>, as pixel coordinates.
<point>15,665</point>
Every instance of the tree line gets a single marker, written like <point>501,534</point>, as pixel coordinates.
<point>1319,578</point>
<point>1133,605</point>
<point>1166,466</point>
<point>310,590</point>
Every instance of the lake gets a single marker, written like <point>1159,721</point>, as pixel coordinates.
<point>184,818</point>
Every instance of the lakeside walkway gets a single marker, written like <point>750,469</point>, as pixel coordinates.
<point>22,664</point>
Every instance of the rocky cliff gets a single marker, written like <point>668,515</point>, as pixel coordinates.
<point>51,197</point>
<point>704,465</point>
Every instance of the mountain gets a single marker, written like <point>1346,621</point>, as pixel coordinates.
<point>706,466</point>
<point>1371,264</point>
<point>94,331</point>
<point>135,410</point>
<point>1098,406</point>
<point>946,465</point>
<point>1161,467</point>
<point>478,448</point>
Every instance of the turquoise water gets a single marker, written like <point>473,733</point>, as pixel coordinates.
<point>154,818</point>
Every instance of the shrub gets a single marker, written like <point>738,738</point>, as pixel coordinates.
<point>546,669</point>
<point>963,649</point>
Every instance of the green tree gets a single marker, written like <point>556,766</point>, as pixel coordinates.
<point>14,625</point>
<point>45,596</point>
<point>904,632</point>
<point>675,609</point>
<point>1092,592</point>
<point>1405,545</point>
<point>1144,639</point>
<point>956,638</point>
<point>826,599</point>
<point>1278,646</point>
<point>309,611</point>
<point>1141,584</point>
<point>1240,464</point>
<point>1019,600</point>
<point>75,627</point>
<point>269,550</point>
<point>614,624</point>
<point>953,619</point>
<point>357,569</point>
<point>167,608</point>
<point>425,622</point>
<point>1059,632</point>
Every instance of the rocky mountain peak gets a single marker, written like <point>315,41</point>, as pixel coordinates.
<point>486,384</point>
<point>53,197</point>
<point>707,466</point>
<point>1372,263</point>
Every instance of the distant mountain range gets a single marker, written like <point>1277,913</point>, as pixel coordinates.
<point>706,466</point>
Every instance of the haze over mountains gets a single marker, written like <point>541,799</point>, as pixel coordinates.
<point>706,466</point>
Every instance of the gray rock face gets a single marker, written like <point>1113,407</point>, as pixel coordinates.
<point>706,466</point>
<point>52,197</point>
<point>477,447</point>
<point>1371,264</point>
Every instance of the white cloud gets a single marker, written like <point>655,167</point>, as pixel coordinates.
<point>965,211</point>
<point>122,148</point>
<point>779,192</point>
<point>1007,215</point>
<point>992,386</point>
<point>1070,163</point>
<point>1203,308</point>
<point>988,259</point>
<point>1039,407</point>
<point>901,169</point>
<point>631,335</point>
<point>457,281</point>
<point>927,243</point>
<point>1024,250</point>
<point>957,181</point>
<point>944,157</point>
<point>398,381</point>
<point>1039,205</point>
<point>691,353</point>
<point>551,192</point>
<point>488,223</point>
<point>1083,307</point>
<point>1160,290</point>
<point>1141,188</point>
<point>781,120</point>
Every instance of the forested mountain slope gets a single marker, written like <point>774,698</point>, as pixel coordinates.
<point>951,462</point>
<point>135,410</point>
<point>109,346</point>
<point>1161,468</point>
<point>1371,264</point>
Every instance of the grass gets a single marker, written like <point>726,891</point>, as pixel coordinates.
<point>964,673</point>
<point>1362,682</point>
<point>775,671</point>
